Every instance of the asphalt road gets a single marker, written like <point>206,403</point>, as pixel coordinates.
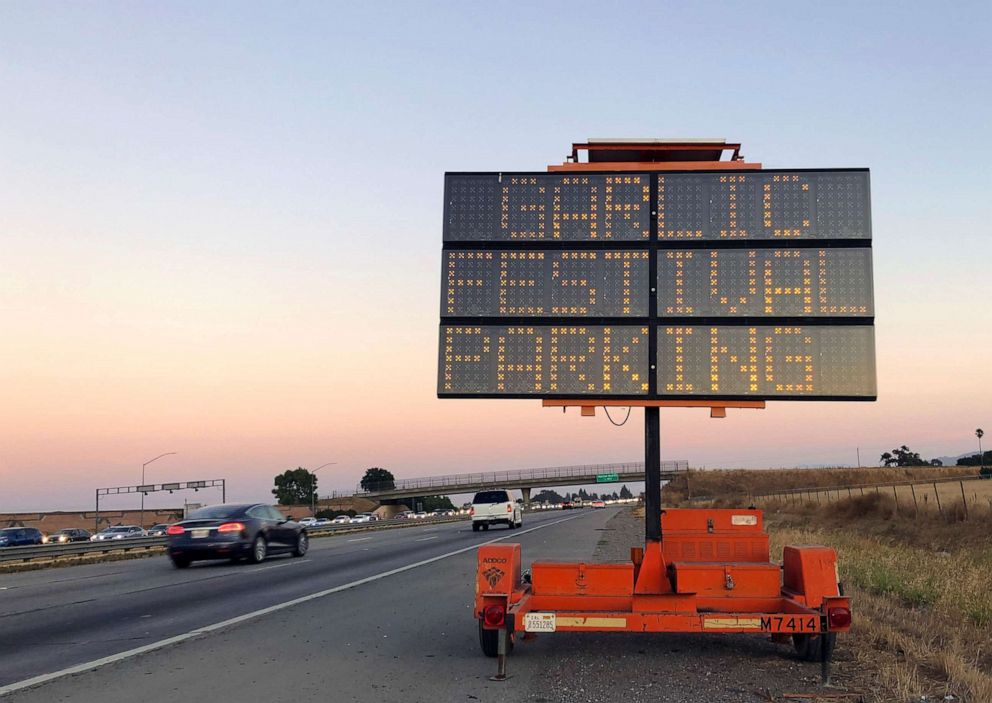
<point>57,618</point>
<point>403,633</point>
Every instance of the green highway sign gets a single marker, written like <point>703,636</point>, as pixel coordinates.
<point>607,478</point>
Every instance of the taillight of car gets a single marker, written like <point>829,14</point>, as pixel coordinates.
<point>509,508</point>
<point>231,527</point>
<point>471,511</point>
<point>174,530</point>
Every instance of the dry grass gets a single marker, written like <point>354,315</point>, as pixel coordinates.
<point>922,591</point>
<point>741,483</point>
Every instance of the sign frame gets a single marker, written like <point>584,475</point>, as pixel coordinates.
<point>655,246</point>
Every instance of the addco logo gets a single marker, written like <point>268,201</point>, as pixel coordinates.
<point>493,575</point>
<point>494,560</point>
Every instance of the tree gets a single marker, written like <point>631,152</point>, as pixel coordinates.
<point>625,492</point>
<point>295,487</point>
<point>548,496</point>
<point>936,462</point>
<point>376,479</point>
<point>903,456</point>
<point>430,503</point>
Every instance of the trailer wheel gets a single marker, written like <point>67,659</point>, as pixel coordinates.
<point>475,527</point>
<point>489,641</point>
<point>809,647</point>
<point>485,526</point>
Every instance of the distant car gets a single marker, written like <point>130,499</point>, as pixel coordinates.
<point>235,531</point>
<point>20,536</point>
<point>158,530</point>
<point>322,522</point>
<point>308,521</point>
<point>405,515</point>
<point>341,520</point>
<point>598,504</point>
<point>361,518</point>
<point>118,532</point>
<point>421,515</point>
<point>69,534</point>
<point>567,505</point>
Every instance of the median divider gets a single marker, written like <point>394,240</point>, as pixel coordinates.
<point>13,559</point>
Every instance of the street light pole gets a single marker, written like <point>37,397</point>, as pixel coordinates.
<point>313,492</point>
<point>141,522</point>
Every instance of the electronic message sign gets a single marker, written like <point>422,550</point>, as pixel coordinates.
<point>669,285</point>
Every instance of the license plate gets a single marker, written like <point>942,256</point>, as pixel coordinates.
<point>200,534</point>
<point>539,622</point>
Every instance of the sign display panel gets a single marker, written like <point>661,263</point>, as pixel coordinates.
<point>547,207</point>
<point>782,282</point>
<point>690,206</point>
<point>538,283</point>
<point>728,285</point>
<point>544,360</point>
<point>766,361</point>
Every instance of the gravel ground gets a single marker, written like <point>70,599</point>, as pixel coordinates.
<point>656,667</point>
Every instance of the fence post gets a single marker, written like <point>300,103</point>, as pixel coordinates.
<point>963,499</point>
<point>895,496</point>
<point>936,496</point>
<point>916,506</point>
<point>849,494</point>
<point>862,489</point>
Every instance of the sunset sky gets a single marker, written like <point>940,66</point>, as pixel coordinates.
<point>221,224</point>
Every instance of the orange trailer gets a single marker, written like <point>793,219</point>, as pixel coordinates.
<point>700,570</point>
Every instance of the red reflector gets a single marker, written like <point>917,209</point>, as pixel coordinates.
<point>494,615</point>
<point>231,527</point>
<point>838,618</point>
<point>174,530</point>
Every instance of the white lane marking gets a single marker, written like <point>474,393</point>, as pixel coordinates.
<point>275,566</point>
<point>120,656</point>
<point>424,539</point>
<point>359,539</point>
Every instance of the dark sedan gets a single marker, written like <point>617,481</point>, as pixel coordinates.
<point>246,531</point>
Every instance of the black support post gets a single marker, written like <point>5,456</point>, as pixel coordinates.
<point>652,474</point>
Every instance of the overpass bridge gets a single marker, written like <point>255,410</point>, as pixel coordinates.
<point>521,479</point>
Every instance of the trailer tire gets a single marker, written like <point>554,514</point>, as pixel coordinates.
<point>475,527</point>
<point>485,526</point>
<point>489,641</point>
<point>809,647</point>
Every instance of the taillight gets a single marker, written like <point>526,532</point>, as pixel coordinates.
<point>494,615</point>
<point>471,511</point>
<point>838,618</point>
<point>174,530</point>
<point>231,527</point>
<point>509,508</point>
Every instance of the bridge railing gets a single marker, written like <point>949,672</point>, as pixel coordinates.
<point>586,473</point>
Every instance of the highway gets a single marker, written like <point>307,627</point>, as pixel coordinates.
<point>54,619</point>
<point>381,616</point>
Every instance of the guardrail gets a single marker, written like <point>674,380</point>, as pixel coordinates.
<point>513,476</point>
<point>53,551</point>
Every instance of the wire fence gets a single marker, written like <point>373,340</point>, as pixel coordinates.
<point>942,496</point>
